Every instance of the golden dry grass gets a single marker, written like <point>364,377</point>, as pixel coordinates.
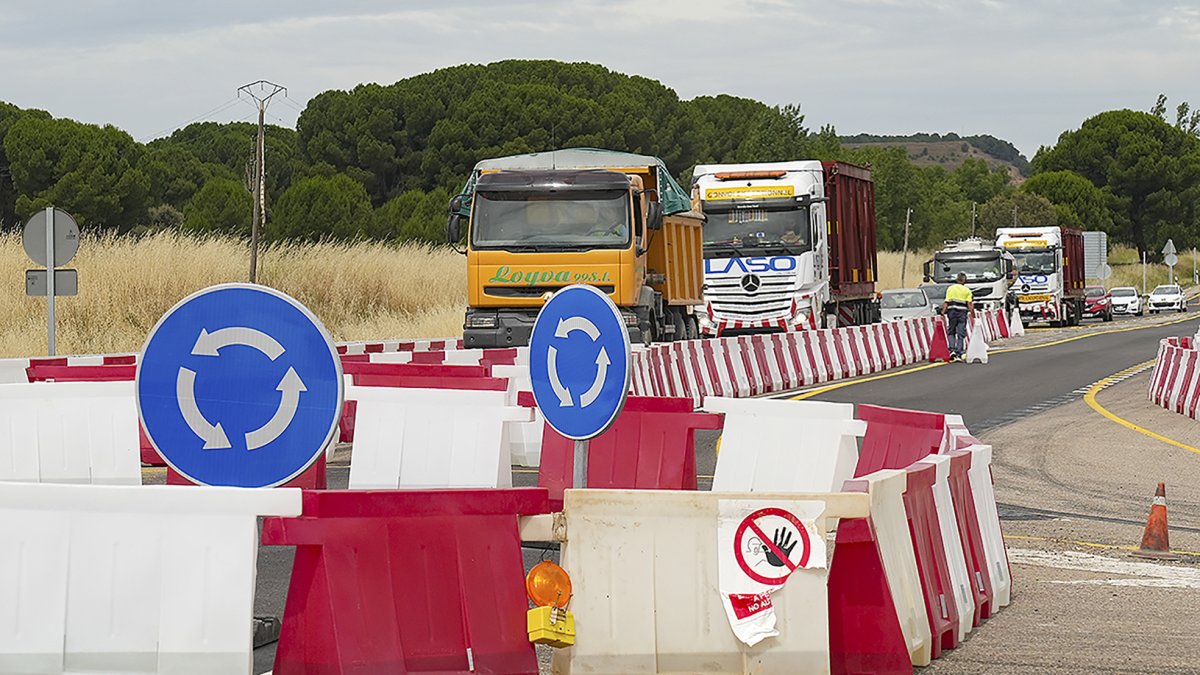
<point>360,291</point>
<point>889,269</point>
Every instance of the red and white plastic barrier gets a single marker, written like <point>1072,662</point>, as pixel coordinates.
<point>1175,382</point>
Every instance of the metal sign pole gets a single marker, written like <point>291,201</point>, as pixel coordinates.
<point>581,464</point>
<point>50,265</point>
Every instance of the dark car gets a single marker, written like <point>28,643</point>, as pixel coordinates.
<point>937,294</point>
<point>1097,303</point>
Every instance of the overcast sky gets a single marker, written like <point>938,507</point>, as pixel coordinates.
<point>1021,70</point>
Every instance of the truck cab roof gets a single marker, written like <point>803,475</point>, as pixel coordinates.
<point>552,180</point>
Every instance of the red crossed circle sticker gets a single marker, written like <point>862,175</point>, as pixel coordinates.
<point>770,558</point>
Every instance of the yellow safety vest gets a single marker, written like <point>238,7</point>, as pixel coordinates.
<point>959,297</point>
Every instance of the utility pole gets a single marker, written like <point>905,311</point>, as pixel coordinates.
<point>1014,215</point>
<point>904,257</point>
<point>261,91</point>
<point>973,219</point>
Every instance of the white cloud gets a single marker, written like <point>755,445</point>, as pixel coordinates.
<point>1018,69</point>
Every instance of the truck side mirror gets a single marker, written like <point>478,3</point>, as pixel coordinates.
<point>453,224</point>
<point>654,216</point>
<point>927,269</point>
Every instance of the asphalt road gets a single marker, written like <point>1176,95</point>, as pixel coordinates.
<point>1013,385</point>
<point>1016,383</point>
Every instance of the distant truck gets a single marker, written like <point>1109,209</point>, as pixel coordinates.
<point>787,246</point>
<point>617,221</point>
<point>988,267</point>
<point>1049,266</point>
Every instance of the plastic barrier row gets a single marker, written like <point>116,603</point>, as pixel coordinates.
<point>918,560</point>
<point>760,364</point>
<point>1175,381</point>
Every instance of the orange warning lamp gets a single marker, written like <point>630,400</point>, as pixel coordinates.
<point>548,585</point>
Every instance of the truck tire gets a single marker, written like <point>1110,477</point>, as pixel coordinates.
<point>679,321</point>
<point>693,327</point>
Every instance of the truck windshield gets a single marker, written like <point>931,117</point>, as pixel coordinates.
<point>1035,262</point>
<point>754,225</point>
<point>947,267</point>
<point>571,219</point>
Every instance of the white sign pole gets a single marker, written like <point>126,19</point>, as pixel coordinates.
<point>50,264</point>
<point>581,464</point>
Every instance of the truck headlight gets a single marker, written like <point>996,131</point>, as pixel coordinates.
<point>481,321</point>
<point>631,320</point>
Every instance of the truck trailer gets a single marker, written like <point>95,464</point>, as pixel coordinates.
<point>787,246</point>
<point>538,222</point>
<point>1049,266</point>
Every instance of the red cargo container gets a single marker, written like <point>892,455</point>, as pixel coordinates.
<point>1072,248</point>
<point>852,257</point>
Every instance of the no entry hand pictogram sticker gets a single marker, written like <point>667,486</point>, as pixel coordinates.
<point>769,544</point>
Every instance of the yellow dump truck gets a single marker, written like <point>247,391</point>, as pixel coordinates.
<point>614,220</point>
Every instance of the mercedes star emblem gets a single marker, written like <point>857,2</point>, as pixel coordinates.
<point>751,282</point>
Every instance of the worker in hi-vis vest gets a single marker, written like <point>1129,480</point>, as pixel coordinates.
<point>958,308</point>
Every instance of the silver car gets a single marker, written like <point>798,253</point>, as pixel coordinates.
<point>905,303</point>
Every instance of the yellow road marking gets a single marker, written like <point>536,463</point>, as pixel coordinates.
<point>847,383</point>
<point>1089,335</point>
<point>1090,399</point>
<point>1089,544</point>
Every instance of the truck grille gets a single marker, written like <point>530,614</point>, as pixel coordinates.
<point>751,296</point>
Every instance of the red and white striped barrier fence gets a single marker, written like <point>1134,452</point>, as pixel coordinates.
<point>1175,383</point>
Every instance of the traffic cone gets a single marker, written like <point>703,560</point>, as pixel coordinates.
<point>939,345</point>
<point>1015,327</point>
<point>1154,541</point>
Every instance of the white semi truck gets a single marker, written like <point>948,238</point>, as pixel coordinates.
<point>787,246</point>
<point>1049,266</point>
<point>988,268</point>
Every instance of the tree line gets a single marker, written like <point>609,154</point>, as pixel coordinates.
<point>382,161</point>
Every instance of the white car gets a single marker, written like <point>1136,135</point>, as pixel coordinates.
<point>1125,300</point>
<point>905,303</point>
<point>1165,297</point>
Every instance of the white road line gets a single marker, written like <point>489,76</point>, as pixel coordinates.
<point>1133,573</point>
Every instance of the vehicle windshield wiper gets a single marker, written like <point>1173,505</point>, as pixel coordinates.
<point>727,244</point>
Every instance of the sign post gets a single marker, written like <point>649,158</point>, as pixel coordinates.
<point>1169,257</point>
<point>50,238</point>
<point>579,366</point>
<point>239,385</point>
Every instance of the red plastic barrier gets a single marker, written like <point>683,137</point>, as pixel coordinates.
<point>650,447</point>
<point>123,372</point>
<point>49,361</point>
<point>502,356</point>
<point>354,358</point>
<point>121,360</point>
<point>357,369</point>
<point>56,373</point>
<point>970,533</point>
<point>939,345</point>
<point>864,634</point>
<point>409,581</point>
<point>896,437</point>
<point>430,358</point>
<point>932,566</point>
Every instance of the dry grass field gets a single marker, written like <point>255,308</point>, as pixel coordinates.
<point>361,291</point>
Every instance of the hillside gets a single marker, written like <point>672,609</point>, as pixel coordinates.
<point>950,150</point>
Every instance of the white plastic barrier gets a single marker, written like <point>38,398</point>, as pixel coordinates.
<point>12,371</point>
<point>69,432</point>
<point>963,596</point>
<point>785,446</point>
<point>886,489</point>
<point>989,523</point>
<point>524,438</point>
<point>431,438</point>
<point>119,579</point>
<point>644,569</point>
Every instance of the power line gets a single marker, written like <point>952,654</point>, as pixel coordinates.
<point>221,108</point>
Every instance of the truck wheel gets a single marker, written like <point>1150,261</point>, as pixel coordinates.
<point>680,323</point>
<point>693,327</point>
